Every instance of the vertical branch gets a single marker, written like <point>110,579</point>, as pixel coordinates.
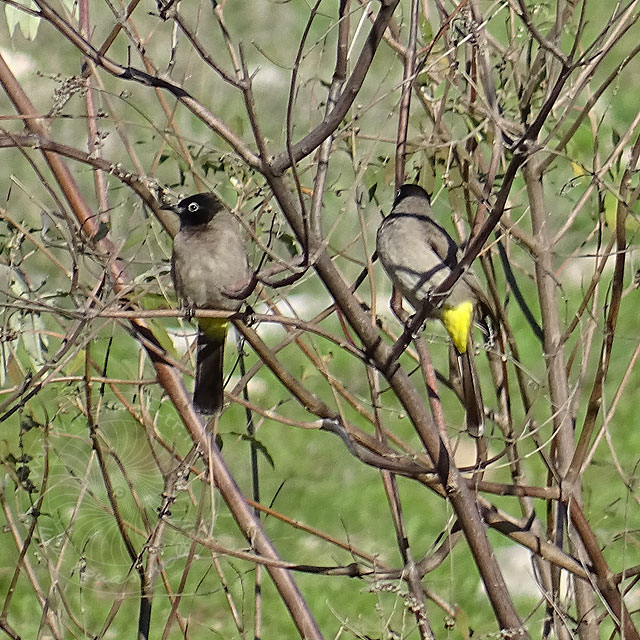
<point>549,307</point>
<point>595,399</point>
<point>146,594</point>
<point>408,76</point>
<point>312,140</point>
<point>553,353</point>
<point>25,566</point>
<point>255,487</point>
<point>324,153</point>
<point>167,375</point>
<point>523,107</point>
<point>289,130</point>
<point>459,494</point>
<point>572,478</point>
<point>93,138</point>
<point>410,569</point>
<point>604,577</point>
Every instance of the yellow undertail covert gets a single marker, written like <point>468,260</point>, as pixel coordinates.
<point>457,321</point>
<point>214,328</point>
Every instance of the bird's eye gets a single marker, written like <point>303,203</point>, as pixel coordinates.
<point>192,207</point>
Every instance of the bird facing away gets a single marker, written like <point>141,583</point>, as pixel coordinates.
<point>417,255</point>
<point>209,268</point>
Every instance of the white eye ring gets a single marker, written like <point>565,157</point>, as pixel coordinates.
<point>192,207</point>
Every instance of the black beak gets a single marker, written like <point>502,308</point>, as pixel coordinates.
<point>168,207</point>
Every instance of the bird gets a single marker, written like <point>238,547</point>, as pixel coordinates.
<point>209,269</point>
<point>417,255</point>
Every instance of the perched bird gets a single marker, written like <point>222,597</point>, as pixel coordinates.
<point>209,268</point>
<point>418,254</point>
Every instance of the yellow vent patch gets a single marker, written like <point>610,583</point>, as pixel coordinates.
<point>214,328</point>
<point>457,321</point>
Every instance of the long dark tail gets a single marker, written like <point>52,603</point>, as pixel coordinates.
<point>208,392</point>
<point>471,394</point>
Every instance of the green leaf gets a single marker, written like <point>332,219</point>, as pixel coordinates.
<point>102,232</point>
<point>28,327</point>
<point>290,244</point>
<point>28,24</point>
<point>13,16</point>
<point>27,423</point>
<point>425,29</point>
<point>153,301</point>
<point>615,137</point>
<point>611,211</point>
<point>163,337</point>
<point>71,6</point>
<point>428,173</point>
<point>76,363</point>
<point>258,445</point>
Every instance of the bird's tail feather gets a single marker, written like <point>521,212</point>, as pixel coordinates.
<point>471,394</point>
<point>208,392</point>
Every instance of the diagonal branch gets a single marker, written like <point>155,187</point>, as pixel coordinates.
<point>351,89</point>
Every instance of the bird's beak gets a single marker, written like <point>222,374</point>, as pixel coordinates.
<point>169,207</point>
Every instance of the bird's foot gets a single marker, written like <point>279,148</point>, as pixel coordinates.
<point>409,325</point>
<point>488,333</point>
<point>189,311</point>
<point>249,315</point>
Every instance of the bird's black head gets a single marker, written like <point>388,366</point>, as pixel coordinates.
<point>410,191</point>
<point>197,210</point>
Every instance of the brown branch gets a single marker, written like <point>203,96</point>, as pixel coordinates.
<point>352,87</point>
<point>459,495</point>
<point>168,377</point>
<point>141,77</point>
<point>408,78</point>
<point>605,579</point>
<point>595,399</point>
